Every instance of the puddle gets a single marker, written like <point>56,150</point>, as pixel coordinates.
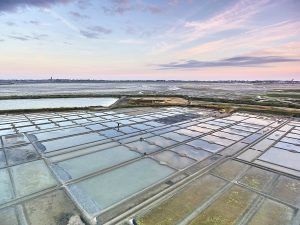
<point>233,149</point>
<point>206,145</point>
<point>22,124</point>
<point>238,132</point>
<point>188,132</point>
<point>2,159</point>
<point>175,136</point>
<point>291,140</point>
<point>261,122</point>
<point>164,130</point>
<point>128,130</point>
<point>287,146</point>
<point>26,183</point>
<point>292,135</point>
<point>6,191</point>
<point>141,126</point>
<point>118,184</point>
<point>81,121</point>
<point>111,133</point>
<point>143,147</point>
<point>27,129</point>
<point>66,123</point>
<point>247,129</point>
<point>220,124</point>
<point>236,118</point>
<point>54,208</point>
<point>6,132</point>
<point>96,127</point>
<point>87,164</point>
<point>160,141</point>
<point>252,138</point>
<point>58,133</point>
<point>17,104</point>
<point>187,150</point>
<point>67,142</point>
<point>282,157</point>
<point>233,137</point>
<point>21,154</point>
<point>47,126</point>
<point>178,118</point>
<point>217,140</point>
<point>154,124</point>
<point>249,155</point>
<point>199,129</point>
<point>172,211</point>
<point>8,216</point>
<point>14,139</point>
<point>173,159</point>
<point>42,121</point>
<point>263,145</point>
<point>208,126</point>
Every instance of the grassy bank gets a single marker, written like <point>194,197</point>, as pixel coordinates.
<point>226,105</point>
<point>282,95</point>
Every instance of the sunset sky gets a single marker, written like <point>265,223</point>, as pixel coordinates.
<point>143,39</point>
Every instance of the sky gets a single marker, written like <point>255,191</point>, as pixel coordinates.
<point>150,39</point>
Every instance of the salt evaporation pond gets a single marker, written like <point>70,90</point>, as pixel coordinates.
<point>15,104</point>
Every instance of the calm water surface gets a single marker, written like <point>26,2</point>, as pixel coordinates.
<point>13,104</point>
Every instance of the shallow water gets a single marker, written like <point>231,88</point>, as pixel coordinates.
<point>5,186</point>
<point>205,145</point>
<point>83,165</point>
<point>67,142</point>
<point>173,159</point>
<point>187,150</point>
<point>26,183</point>
<point>119,183</point>
<point>14,104</point>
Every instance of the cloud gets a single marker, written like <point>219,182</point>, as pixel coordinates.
<point>256,39</point>
<point>89,34</point>
<point>101,30</point>
<point>62,19</point>
<point>38,37</point>
<point>233,17</point>
<point>132,41</point>
<point>240,61</point>
<point>34,22</point>
<point>95,32</point>
<point>11,24</point>
<point>10,5</point>
<point>79,15</point>
<point>120,7</point>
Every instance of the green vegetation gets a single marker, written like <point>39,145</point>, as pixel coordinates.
<point>183,203</point>
<point>224,105</point>
<point>272,213</point>
<point>227,209</point>
<point>279,95</point>
<point>287,90</point>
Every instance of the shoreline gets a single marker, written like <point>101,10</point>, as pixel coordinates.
<point>127,101</point>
